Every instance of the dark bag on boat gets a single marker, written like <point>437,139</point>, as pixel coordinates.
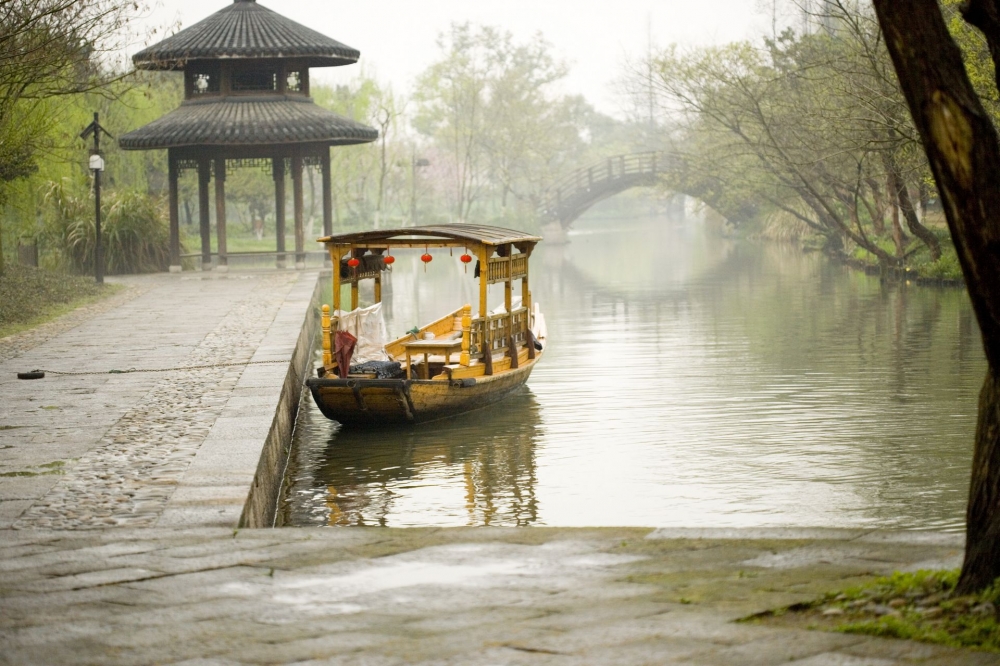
<point>381,369</point>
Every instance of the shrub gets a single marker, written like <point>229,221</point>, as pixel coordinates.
<point>135,234</point>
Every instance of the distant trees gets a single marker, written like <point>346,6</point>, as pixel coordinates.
<point>488,117</point>
<point>812,126</point>
<point>490,108</point>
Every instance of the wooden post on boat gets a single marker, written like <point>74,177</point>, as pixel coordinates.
<point>327,351</point>
<point>354,283</point>
<point>464,359</point>
<point>526,304</point>
<point>508,301</point>
<point>335,254</point>
<point>484,283</point>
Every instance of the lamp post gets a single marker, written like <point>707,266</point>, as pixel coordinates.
<point>96,164</point>
<point>414,165</point>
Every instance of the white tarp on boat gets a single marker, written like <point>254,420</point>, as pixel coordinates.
<point>368,326</point>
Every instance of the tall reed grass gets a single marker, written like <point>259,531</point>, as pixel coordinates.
<point>135,234</point>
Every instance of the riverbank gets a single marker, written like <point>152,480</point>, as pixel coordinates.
<point>444,596</point>
<point>919,268</point>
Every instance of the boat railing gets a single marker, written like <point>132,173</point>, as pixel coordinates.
<point>481,337</point>
<point>502,269</point>
<point>498,333</point>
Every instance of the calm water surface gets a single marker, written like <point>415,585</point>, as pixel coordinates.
<point>690,380</point>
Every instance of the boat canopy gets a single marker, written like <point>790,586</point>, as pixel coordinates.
<point>461,234</point>
<point>501,255</point>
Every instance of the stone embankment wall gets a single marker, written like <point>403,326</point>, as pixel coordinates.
<point>262,500</point>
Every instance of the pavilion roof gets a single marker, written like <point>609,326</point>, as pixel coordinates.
<point>245,29</point>
<point>247,121</point>
<point>475,233</point>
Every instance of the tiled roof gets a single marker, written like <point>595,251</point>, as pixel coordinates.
<point>245,29</point>
<point>478,233</point>
<point>247,121</point>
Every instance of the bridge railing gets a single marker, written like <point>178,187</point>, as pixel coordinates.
<point>598,173</point>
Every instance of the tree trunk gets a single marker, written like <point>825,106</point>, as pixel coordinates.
<point>964,155</point>
<point>982,555</point>
<point>878,214</point>
<point>902,195</point>
<point>898,237</point>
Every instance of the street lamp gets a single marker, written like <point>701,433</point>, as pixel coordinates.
<point>96,164</point>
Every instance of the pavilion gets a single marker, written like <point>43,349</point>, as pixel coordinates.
<point>246,104</point>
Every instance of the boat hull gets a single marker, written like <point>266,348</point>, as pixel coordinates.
<point>398,401</point>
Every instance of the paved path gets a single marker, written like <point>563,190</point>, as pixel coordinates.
<point>147,448</point>
<point>489,596</point>
<point>146,475</point>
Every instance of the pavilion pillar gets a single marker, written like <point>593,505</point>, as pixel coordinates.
<point>220,213</point>
<point>175,229</point>
<point>204,176</point>
<point>327,193</point>
<point>279,208</point>
<point>298,208</point>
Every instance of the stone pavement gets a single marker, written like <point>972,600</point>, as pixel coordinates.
<point>383,596</point>
<point>148,448</point>
<point>146,476</point>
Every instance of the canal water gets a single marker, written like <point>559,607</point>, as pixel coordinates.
<point>689,380</point>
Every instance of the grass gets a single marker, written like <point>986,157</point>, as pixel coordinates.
<point>921,606</point>
<point>919,264</point>
<point>30,296</point>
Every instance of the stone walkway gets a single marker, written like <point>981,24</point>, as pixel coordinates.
<point>491,596</point>
<point>79,451</point>
<point>146,475</point>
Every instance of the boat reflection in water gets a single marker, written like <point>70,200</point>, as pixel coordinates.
<point>449,474</point>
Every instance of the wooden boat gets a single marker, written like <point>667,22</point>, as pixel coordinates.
<point>460,362</point>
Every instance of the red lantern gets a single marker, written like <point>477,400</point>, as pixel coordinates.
<point>465,258</point>
<point>389,260</point>
<point>426,258</point>
<point>353,262</point>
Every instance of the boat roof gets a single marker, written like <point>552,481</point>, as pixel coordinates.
<point>474,233</point>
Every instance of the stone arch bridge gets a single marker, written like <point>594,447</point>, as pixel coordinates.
<point>580,189</point>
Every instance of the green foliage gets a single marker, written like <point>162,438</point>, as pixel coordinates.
<point>500,131</point>
<point>370,180</point>
<point>28,295</point>
<point>919,606</point>
<point>978,62</point>
<point>945,268</point>
<point>127,106</point>
<point>813,126</point>
<point>134,230</point>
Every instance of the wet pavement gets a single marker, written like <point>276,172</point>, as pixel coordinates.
<point>444,596</point>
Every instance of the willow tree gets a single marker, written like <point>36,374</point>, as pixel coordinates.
<point>964,153</point>
<point>48,49</point>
